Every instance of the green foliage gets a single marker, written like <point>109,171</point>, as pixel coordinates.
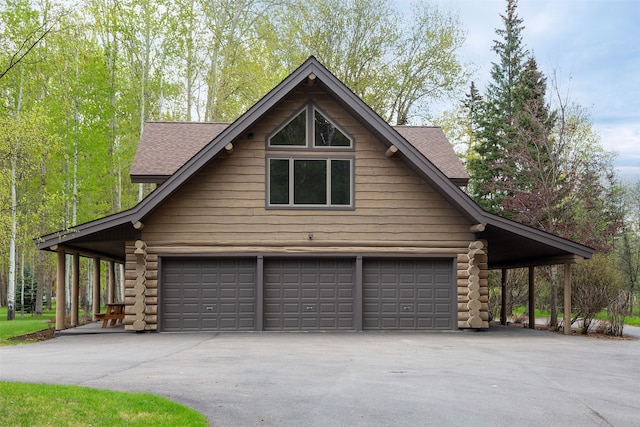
<point>26,291</point>
<point>627,248</point>
<point>397,64</point>
<point>596,284</point>
<point>39,404</point>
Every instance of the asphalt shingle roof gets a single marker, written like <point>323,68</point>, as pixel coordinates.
<point>165,146</point>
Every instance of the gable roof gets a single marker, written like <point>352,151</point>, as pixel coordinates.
<point>520,243</point>
<point>434,145</point>
<point>165,146</point>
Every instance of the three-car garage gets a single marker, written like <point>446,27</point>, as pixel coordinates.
<point>347,293</point>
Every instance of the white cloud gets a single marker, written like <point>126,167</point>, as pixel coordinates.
<point>623,139</point>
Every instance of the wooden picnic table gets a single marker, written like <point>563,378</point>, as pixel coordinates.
<point>114,313</point>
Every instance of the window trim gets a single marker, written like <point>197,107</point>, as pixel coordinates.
<point>291,204</point>
<point>310,109</point>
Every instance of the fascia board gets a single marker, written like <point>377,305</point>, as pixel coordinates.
<point>61,237</point>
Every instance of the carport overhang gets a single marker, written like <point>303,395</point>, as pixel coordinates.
<point>101,240</point>
<point>514,245</point>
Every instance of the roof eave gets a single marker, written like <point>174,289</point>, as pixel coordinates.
<point>148,178</point>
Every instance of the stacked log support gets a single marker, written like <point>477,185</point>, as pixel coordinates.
<point>151,295</point>
<point>140,287</point>
<point>473,289</point>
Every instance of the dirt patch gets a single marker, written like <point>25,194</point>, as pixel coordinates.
<point>43,335</point>
<point>591,334</point>
<point>600,336</point>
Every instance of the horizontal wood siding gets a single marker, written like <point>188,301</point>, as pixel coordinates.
<point>226,200</point>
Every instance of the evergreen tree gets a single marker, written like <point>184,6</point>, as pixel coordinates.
<point>496,115</point>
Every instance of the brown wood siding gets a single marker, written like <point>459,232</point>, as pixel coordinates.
<point>226,200</point>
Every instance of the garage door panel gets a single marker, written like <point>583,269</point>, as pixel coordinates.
<point>442,294</point>
<point>407,294</point>
<point>328,308</point>
<point>428,294</point>
<point>290,308</point>
<point>318,291</point>
<point>425,308</point>
<point>329,293</point>
<point>310,293</point>
<point>208,294</point>
<point>389,293</point>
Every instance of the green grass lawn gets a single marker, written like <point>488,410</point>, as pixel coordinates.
<point>18,327</point>
<point>628,320</point>
<point>55,405</point>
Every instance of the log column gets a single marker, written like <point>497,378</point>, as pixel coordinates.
<point>474,305</point>
<point>532,298</point>
<point>111,282</point>
<point>60,297</point>
<point>75,289</point>
<point>139,306</point>
<point>96,287</point>
<point>567,299</point>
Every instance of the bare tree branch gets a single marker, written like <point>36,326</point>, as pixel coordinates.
<point>30,42</point>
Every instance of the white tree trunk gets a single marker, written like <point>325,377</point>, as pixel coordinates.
<point>11,291</point>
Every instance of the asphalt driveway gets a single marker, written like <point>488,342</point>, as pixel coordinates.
<point>501,377</point>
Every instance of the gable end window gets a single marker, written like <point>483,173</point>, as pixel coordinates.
<point>310,129</point>
<point>310,182</point>
<point>319,178</point>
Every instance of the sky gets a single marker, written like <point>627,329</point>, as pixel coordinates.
<point>593,46</point>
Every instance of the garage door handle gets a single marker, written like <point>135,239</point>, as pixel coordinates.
<point>209,308</point>
<point>406,307</point>
<point>309,307</point>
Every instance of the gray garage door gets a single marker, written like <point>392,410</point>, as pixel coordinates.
<point>208,294</point>
<point>301,294</point>
<point>407,294</point>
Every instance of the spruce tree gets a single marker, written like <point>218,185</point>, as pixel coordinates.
<point>496,116</point>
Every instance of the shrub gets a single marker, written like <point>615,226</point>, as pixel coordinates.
<point>596,283</point>
<point>616,311</point>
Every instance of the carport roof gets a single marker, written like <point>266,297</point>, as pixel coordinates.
<point>511,243</point>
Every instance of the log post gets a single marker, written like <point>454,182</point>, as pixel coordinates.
<point>532,298</point>
<point>75,289</point>
<point>567,299</point>
<point>474,306</point>
<point>111,282</point>
<point>477,228</point>
<point>60,297</point>
<point>140,288</point>
<point>503,309</point>
<point>96,288</point>
<point>391,151</point>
